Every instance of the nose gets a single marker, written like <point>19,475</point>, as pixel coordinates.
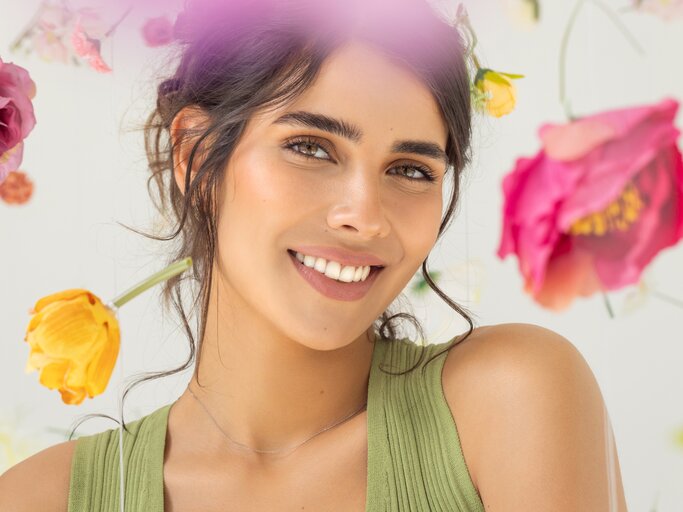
<point>358,206</point>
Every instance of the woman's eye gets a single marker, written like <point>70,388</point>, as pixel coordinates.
<point>308,149</point>
<point>412,169</point>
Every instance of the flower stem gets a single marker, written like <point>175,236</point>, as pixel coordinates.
<point>563,59</point>
<point>620,25</point>
<point>610,312</point>
<point>115,25</point>
<point>172,270</point>
<point>667,298</point>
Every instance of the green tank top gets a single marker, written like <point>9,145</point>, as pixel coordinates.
<point>415,461</point>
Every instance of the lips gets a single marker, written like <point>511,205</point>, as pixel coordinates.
<point>332,288</point>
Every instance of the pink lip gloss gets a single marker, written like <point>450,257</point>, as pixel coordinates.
<point>332,288</point>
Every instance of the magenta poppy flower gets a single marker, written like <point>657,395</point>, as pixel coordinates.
<point>16,115</point>
<point>600,200</point>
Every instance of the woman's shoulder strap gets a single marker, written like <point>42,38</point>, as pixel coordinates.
<point>94,484</point>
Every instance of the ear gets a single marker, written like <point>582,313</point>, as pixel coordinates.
<point>186,128</point>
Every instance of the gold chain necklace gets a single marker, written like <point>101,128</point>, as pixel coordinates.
<point>244,446</point>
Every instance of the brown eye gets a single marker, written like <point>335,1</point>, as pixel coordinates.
<point>307,148</point>
<point>428,174</point>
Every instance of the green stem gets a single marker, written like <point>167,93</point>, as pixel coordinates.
<point>563,59</point>
<point>608,305</point>
<point>619,24</point>
<point>172,270</point>
<point>667,298</point>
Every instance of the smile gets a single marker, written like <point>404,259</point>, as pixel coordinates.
<point>333,288</point>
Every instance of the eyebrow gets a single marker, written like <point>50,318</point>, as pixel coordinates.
<point>352,132</point>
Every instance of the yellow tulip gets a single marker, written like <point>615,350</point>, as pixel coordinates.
<point>74,340</point>
<point>498,91</point>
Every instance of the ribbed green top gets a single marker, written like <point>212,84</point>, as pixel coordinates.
<point>415,461</point>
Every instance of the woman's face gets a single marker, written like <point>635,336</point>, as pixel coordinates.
<point>355,191</point>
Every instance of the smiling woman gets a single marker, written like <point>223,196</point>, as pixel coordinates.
<point>301,148</point>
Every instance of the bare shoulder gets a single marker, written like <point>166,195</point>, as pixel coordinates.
<point>40,482</point>
<point>531,421</point>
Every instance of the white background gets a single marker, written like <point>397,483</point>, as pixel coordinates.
<point>87,161</point>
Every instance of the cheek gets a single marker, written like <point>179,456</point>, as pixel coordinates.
<point>417,221</point>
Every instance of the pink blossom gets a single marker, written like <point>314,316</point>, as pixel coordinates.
<point>601,199</point>
<point>17,118</point>
<point>157,31</point>
<point>88,48</point>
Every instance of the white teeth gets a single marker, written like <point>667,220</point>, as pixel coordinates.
<point>320,265</point>
<point>334,270</point>
<point>366,271</point>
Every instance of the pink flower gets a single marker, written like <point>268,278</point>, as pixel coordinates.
<point>88,48</point>
<point>157,31</point>
<point>16,115</point>
<point>601,199</point>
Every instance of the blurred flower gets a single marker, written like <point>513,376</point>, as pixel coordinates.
<point>665,9</point>
<point>17,118</point>
<point>16,189</point>
<point>601,199</point>
<point>157,31</point>
<point>498,95</point>
<point>525,13</point>
<point>88,48</point>
<point>74,340</point>
<point>60,33</point>
<point>74,337</point>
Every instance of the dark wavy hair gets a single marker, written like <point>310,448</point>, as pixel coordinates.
<point>238,57</point>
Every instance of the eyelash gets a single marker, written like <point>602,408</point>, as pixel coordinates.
<point>429,174</point>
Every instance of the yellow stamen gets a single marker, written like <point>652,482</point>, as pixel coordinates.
<point>619,215</point>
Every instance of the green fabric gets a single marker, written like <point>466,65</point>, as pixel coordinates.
<point>415,461</point>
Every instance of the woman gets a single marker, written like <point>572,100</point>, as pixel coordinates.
<point>310,147</point>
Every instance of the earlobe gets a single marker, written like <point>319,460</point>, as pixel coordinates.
<point>186,128</point>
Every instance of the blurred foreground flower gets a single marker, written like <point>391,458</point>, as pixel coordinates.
<point>601,199</point>
<point>17,188</point>
<point>74,337</point>
<point>497,92</point>
<point>17,118</point>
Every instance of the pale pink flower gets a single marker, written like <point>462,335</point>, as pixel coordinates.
<point>88,48</point>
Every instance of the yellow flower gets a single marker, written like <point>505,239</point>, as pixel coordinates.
<point>74,340</point>
<point>498,94</point>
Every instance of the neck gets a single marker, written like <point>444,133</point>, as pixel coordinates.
<point>269,392</point>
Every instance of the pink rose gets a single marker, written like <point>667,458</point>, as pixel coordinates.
<point>601,199</point>
<point>16,115</point>
<point>157,31</point>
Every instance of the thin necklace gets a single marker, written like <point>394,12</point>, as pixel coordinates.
<point>244,446</point>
